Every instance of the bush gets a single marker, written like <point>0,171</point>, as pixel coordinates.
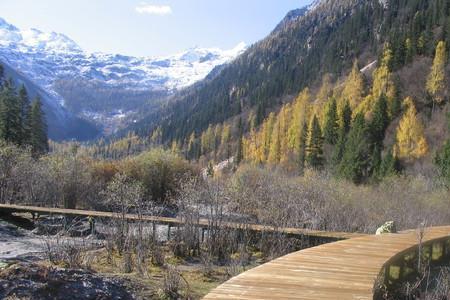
<point>159,171</point>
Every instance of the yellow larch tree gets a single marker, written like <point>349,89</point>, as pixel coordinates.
<point>300,114</point>
<point>383,83</point>
<point>353,88</point>
<point>436,79</point>
<point>275,144</point>
<point>325,92</point>
<point>267,130</point>
<point>410,140</point>
<point>285,117</point>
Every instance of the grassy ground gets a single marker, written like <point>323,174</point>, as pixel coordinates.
<point>196,282</point>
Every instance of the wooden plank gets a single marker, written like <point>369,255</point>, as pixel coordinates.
<point>178,222</point>
<point>341,270</point>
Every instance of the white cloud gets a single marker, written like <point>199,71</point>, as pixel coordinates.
<point>151,9</point>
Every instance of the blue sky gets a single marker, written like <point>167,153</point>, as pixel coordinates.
<point>151,28</point>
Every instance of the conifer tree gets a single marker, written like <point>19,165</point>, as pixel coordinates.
<point>225,141</point>
<point>382,77</point>
<point>10,114</point>
<point>409,51</point>
<point>379,122</point>
<point>345,120</point>
<point>442,161</point>
<point>389,166</point>
<point>375,161</point>
<point>410,139</point>
<point>354,87</point>
<point>302,148</point>
<point>346,117</point>
<point>267,133</point>
<point>38,134</point>
<point>322,97</point>
<point>284,119</point>
<point>436,81</point>
<point>330,131</point>
<point>193,151</point>
<point>240,145</point>
<point>259,114</point>
<point>338,151</point>
<point>300,112</point>
<point>25,109</point>
<point>217,138</point>
<point>355,161</point>
<point>314,148</point>
<point>275,144</point>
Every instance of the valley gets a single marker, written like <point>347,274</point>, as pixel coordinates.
<point>91,85</point>
<point>310,163</point>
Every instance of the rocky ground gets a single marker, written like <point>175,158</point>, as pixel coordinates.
<point>33,281</point>
<point>24,276</point>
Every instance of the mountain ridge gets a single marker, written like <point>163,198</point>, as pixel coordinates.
<point>87,84</point>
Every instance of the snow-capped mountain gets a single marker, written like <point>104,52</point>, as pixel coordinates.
<point>83,83</point>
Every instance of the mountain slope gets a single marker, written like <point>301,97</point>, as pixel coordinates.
<point>325,39</point>
<point>98,86</point>
<point>282,64</point>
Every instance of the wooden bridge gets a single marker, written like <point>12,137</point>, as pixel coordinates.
<point>346,269</point>
<point>175,222</point>
<point>336,271</point>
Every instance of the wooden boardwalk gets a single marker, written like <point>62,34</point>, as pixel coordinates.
<point>337,271</point>
<point>204,223</point>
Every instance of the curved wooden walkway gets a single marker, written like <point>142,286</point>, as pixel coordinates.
<point>337,271</point>
<point>204,223</point>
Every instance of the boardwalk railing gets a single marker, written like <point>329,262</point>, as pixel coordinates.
<point>177,222</point>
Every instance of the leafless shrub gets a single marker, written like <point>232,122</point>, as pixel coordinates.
<point>174,285</point>
<point>207,263</point>
<point>158,256</point>
<point>72,252</point>
<point>127,266</point>
<point>442,288</point>
<point>234,268</point>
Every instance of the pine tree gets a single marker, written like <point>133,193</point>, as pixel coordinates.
<point>314,148</point>
<point>38,134</point>
<point>10,114</point>
<point>379,122</point>
<point>375,161</point>
<point>259,114</point>
<point>345,120</point>
<point>411,142</point>
<point>25,108</point>
<point>330,131</point>
<point>436,82</point>
<point>355,161</point>
<point>346,117</point>
<point>442,161</point>
<point>389,166</point>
